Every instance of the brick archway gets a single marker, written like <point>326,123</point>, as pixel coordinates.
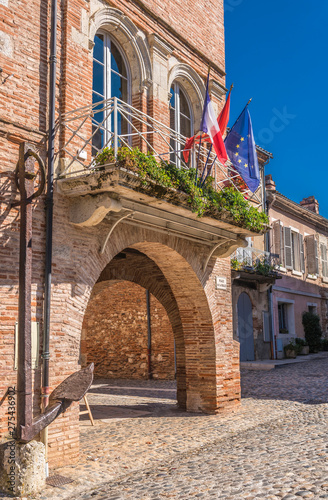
<point>169,277</point>
<point>135,267</point>
<point>200,314</point>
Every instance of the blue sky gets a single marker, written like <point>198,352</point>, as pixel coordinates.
<point>276,53</point>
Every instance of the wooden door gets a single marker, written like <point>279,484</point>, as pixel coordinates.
<point>245,328</point>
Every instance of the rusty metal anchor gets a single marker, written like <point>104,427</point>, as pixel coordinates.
<point>74,387</point>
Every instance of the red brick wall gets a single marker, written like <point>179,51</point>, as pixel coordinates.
<point>115,334</point>
<point>201,317</point>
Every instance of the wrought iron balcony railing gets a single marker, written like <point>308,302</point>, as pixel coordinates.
<point>86,131</point>
<point>254,260</point>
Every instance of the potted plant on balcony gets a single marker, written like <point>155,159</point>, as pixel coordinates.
<point>163,179</point>
<point>235,264</point>
<point>290,350</point>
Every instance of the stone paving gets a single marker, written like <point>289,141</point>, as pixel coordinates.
<point>142,447</point>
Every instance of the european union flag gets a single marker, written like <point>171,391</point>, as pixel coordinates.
<point>240,146</point>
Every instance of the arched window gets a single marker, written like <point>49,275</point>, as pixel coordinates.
<point>110,79</point>
<point>180,118</point>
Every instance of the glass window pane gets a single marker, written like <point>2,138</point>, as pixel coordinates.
<point>98,138</point>
<point>98,49</point>
<point>172,100</point>
<point>118,87</point>
<point>117,63</point>
<point>98,116</point>
<point>185,126</point>
<point>98,78</point>
<point>184,106</point>
<point>172,119</point>
<point>97,141</point>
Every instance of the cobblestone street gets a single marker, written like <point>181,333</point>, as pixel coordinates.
<point>142,447</point>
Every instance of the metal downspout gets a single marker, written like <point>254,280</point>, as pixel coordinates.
<point>49,210</point>
<point>150,376</point>
<point>270,298</point>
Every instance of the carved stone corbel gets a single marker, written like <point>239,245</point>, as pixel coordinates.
<point>88,211</point>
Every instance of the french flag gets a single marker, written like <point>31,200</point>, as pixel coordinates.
<point>209,125</point>
<point>223,120</point>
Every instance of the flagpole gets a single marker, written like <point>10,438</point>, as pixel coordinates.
<point>209,152</point>
<point>249,101</point>
<point>201,132</point>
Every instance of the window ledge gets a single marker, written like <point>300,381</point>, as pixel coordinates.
<point>312,277</point>
<point>281,269</point>
<point>324,280</point>
<point>297,273</point>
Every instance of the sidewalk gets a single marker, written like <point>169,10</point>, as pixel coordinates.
<point>139,429</point>
<point>270,364</point>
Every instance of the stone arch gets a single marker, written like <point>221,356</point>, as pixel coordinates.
<point>178,260</point>
<point>212,380</point>
<point>193,85</point>
<point>249,295</point>
<point>132,41</point>
<point>141,270</point>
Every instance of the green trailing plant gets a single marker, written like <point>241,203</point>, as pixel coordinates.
<point>203,199</point>
<point>312,330</point>
<point>235,264</point>
<point>263,267</point>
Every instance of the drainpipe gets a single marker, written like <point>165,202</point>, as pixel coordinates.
<point>270,296</point>
<point>175,360</point>
<point>150,376</point>
<point>49,211</point>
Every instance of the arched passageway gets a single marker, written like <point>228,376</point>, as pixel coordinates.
<point>179,294</point>
<point>127,334</point>
<point>200,315</point>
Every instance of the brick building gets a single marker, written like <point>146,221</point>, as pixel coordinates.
<point>126,72</point>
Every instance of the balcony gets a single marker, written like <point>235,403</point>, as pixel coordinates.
<point>92,141</point>
<point>251,264</point>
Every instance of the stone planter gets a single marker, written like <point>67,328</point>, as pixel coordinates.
<point>290,353</point>
<point>305,350</point>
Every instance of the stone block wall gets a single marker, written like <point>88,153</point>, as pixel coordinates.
<point>115,333</point>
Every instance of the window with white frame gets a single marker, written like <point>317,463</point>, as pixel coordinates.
<point>286,317</point>
<point>110,79</point>
<point>283,317</point>
<point>293,250</point>
<point>180,119</point>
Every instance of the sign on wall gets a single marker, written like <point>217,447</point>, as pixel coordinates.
<point>220,283</point>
